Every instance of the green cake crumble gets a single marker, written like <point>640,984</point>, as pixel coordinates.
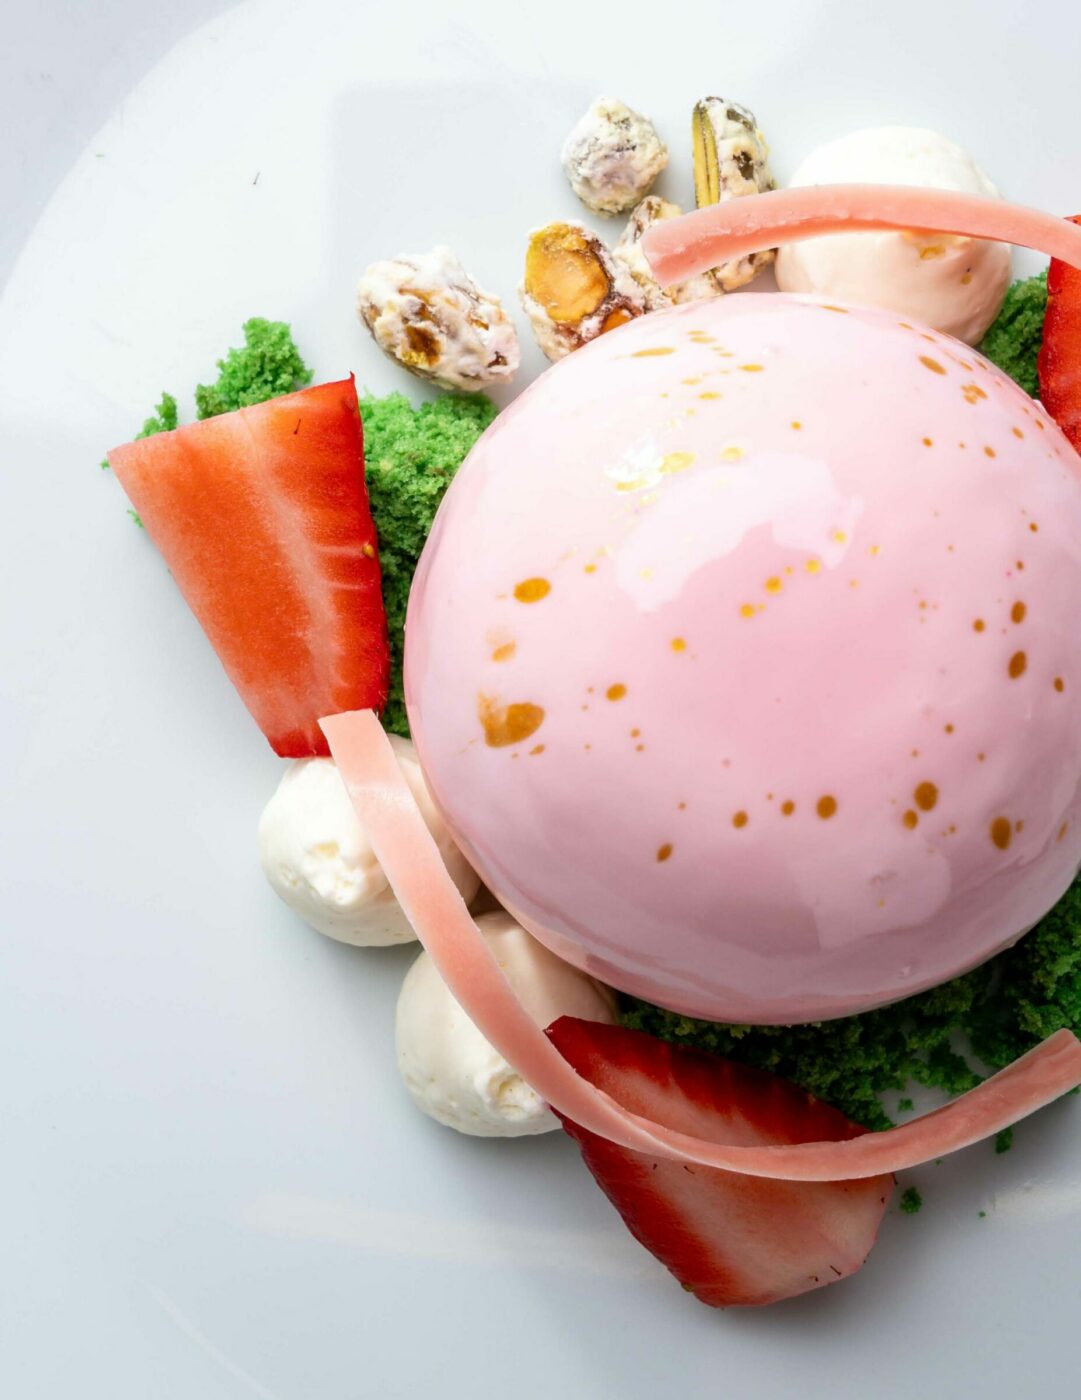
<point>267,366</point>
<point>910,1201</point>
<point>1013,340</point>
<point>162,420</point>
<point>411,456</point>
<point>942,1038</point>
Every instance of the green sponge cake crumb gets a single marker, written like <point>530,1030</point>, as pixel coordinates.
<point>162,420</point>
<point>911,1200</point>
<point>411,456</point>
<point>1001,1009</point>
<point>1013,341</point>
<point>267,366</point>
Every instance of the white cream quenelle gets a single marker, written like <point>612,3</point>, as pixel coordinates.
<point>453,1074</point>
<point>319,860</point>
<point>954,284</point>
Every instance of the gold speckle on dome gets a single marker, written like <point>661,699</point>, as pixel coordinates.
<point>507,724</point>
<point>532,590</point>
<point>673,462</point>
<point>1001,833</point>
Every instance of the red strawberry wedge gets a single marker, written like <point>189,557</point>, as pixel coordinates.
<point>262,517</point>
<point>731,1240</point>
<point>1060,353</point>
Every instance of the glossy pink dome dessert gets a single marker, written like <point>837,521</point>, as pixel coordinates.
<point>744,659</point>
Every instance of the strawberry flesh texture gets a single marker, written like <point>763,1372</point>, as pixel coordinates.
<point>730,1239</point>
<point>262,517</point>
<point>1060,353</point>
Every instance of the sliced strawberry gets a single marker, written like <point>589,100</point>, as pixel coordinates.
<point>262,517</point>
<point>1059,364</point>
<point>729,1239</point>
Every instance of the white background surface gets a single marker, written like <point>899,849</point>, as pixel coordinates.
<point>211,1183</point>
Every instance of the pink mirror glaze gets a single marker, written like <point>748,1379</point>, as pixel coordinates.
<point>744,659</point>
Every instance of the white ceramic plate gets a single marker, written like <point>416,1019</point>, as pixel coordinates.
<point>214,1184</point>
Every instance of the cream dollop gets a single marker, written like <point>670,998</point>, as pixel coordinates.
<point>453,1074</point>
<point>318,858</point>
<point>953,283</point>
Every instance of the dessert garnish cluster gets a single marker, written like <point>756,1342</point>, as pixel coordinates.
<point>722,698</point>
